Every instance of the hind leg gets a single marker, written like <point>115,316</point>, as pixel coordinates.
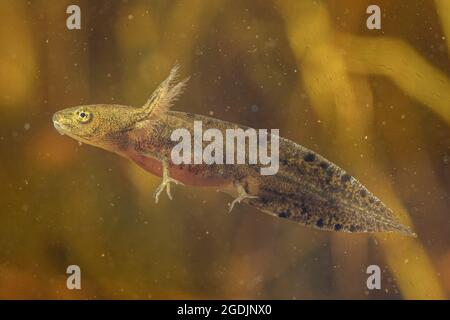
<point>242,195</point>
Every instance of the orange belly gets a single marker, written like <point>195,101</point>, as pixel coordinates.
<point>180,173</point>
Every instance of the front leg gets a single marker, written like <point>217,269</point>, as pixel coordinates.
<point>166,179</point>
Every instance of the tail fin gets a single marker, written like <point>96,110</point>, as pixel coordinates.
<point>324,215</point>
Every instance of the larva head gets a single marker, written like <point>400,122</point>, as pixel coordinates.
<point>95,124</point>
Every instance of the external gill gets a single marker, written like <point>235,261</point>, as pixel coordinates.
<point>164,96</point>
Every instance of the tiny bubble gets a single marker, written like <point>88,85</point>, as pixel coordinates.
<point>27,126</point>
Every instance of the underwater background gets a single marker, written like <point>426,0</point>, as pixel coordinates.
<point>375,102</point>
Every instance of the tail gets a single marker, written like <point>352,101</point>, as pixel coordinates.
<point>314,192</point>
<point>331,217</point>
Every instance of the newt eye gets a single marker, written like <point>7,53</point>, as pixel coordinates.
<point>84,116</point>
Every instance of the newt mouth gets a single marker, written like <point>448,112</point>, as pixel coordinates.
<point>57,125</point>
